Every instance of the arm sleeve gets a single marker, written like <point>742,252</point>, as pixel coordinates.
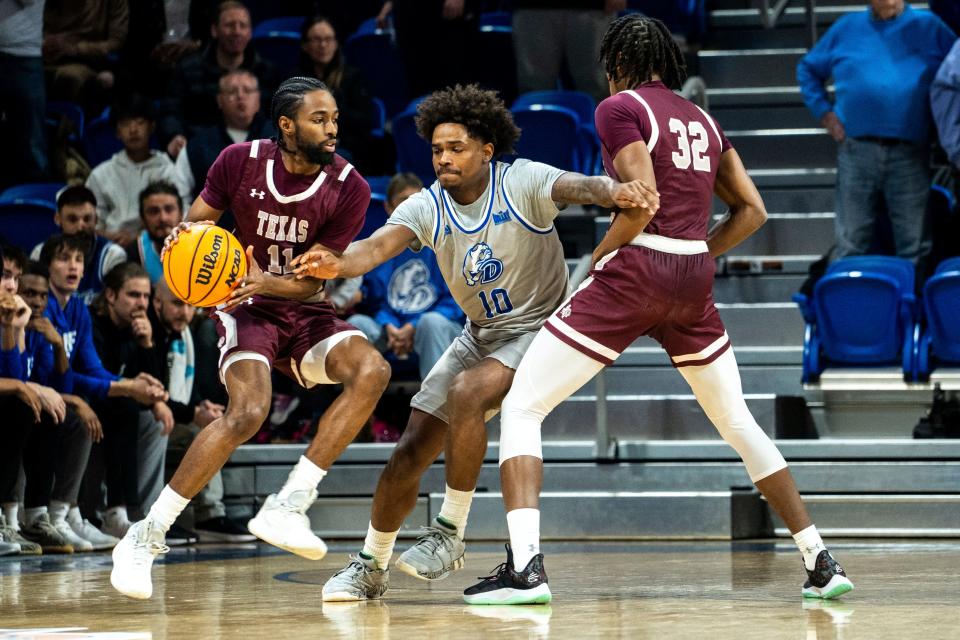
<point>532,184</point>
<point>620,124</point>
<point>89,376</point>
<point>945,104</point>
<point>340,230</point>
<point>11,366</point>
<point>222,178</point>
<point>813,70</point>
<point>42,372</point>
<point>419,214</point>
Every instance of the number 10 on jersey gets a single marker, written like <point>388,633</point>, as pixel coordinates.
<point>497,303</point>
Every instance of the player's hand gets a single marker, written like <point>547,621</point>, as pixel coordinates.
<point>43,326</point>
<point>171,239</point>
<point>834,127</point>
<point>636,194</point>
<point>90,420</point>
<point>31,399</point>
<point>254,283</point>
<point>317,263</point>
<point>206,412</point>
<point>141,329</point>
<point>51,401</point>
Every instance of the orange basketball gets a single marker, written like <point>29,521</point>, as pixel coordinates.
<point>205,265</point>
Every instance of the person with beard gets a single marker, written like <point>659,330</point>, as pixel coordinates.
<point>117,182</point>
<point>160,212</point>
<point>176,345</point>
<point>288,195</point>
<point>77,214</point>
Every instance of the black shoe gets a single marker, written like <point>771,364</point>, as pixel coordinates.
<point>179,536</point>
<point>506,586</point>
<point>827,579</point>
<point>223,529</point>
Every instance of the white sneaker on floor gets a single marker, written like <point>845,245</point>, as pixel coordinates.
<point>115,522</point>
<point>133,558</point>
<point>79,542</point>
<point>98,539</point>
<point>284,524</point>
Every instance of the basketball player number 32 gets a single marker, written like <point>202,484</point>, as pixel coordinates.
<point>498,303</point>
<point>692,142</point>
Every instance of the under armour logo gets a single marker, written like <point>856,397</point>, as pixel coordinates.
<point>257,194</point>
<point>565,312</point>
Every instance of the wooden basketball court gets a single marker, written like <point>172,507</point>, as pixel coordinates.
<point>601,590</point>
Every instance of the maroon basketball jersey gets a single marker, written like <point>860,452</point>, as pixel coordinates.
<point>685,144</point>
<point>283,214</point>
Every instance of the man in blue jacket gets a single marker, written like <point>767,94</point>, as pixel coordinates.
<point>945,104</point>
<point>882,61</point>
<point>411,309</point>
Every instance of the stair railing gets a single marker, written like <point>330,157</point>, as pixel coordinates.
<point>769,15</point>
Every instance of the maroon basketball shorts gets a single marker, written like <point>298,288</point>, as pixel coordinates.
<point>640,291</point>
<point>294,337</point>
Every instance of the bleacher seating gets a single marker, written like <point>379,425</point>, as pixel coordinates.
<point>377,58</point>
<point>413,152</point>
<point>863,313</point>
<point>278,40</point>
<point>550,134</point>
<point>26,221</point>
<point>939,341</point>
<point>581,104</point>
<point>69,110</point>
<point>46,191</point>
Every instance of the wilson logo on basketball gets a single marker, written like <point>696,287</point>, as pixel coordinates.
<point>205,272</point>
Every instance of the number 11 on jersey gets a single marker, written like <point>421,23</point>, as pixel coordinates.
<point>497,304</point>
<point>274,252</point>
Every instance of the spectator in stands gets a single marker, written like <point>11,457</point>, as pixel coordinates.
<point>79,37</point>
<point>548,32</point>
<point>64,256</point>
<point>57,451</point>
<point>22,94</point>
<point>882,61</point>
<point>160,35</point>
<point>190,104</point>
<point>77,214</point>
<point>239,101</point>
<point>117,182</point>
<point>160,212</point>
<point>412,309</point>
<point>123,337</point>
<point>175,344</point>
<point>945,104</point>
<point>322,58</point>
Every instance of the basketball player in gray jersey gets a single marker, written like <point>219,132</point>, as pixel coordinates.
<point>490,225</point>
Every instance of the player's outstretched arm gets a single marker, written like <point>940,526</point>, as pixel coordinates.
<point>633,162</point>
<point>359,258</point>
<point>746,212</point>
<point>258,283</point>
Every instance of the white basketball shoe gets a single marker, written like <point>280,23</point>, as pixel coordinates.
<point>284,523</point>
<point>133,558</point>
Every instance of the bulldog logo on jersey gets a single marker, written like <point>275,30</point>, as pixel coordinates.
<point>410,289</point>
<point>479,265</point>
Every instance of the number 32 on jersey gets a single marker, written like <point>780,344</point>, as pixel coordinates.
<point>692,143</point>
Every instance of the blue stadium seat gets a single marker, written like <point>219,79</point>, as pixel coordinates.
<point>583,105</point>
<point>70,110</point>
<point>413,152</point>
<point>496,21</point>
<point>377,58</point>
<point>26,222</point>
<point>549,134</point>
<point>863,313</point>
<point>939,341</point>
<point>378,186</point>
<point>376,216</point>
<point>379,118</point>
<point>278,40</point>
<point>100,140</point>
<point>46,191</point>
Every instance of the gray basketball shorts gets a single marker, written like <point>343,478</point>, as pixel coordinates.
<point>463,353</point>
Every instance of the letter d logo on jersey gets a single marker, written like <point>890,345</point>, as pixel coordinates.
<point>479,265</point>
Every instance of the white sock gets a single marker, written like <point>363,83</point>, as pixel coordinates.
<point>168,506</point>
<point>305,476</point>
<point>30,515</point>
<point>379,545</point>
<point>73,515</point>
<point>11,515</point>
<point>524,525</point>
<point>810,545</point>
<point>455,509</point>
<point>58,511</point>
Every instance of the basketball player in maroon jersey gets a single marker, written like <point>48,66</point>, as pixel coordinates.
<point>653,276</point>
<point>287,196</point>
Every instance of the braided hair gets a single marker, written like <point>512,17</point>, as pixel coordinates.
<point>289,97</point>
<point>635,47</point>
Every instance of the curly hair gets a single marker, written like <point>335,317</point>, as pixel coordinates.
<point>481,111</point>
<point>635,47</point>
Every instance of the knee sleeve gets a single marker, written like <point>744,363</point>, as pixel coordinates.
<point>717,388</point>
<point>549,372</point>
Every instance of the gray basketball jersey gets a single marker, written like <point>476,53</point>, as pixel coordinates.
<point>500,256</point>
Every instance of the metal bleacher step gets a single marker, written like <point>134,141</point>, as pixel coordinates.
<point>881,515</point>
<point>768,68</point>
<point>760,287</point>
<point>793,177</point>
<point>784,148</point>
<point>746,117</point>
<point>790,233</point>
